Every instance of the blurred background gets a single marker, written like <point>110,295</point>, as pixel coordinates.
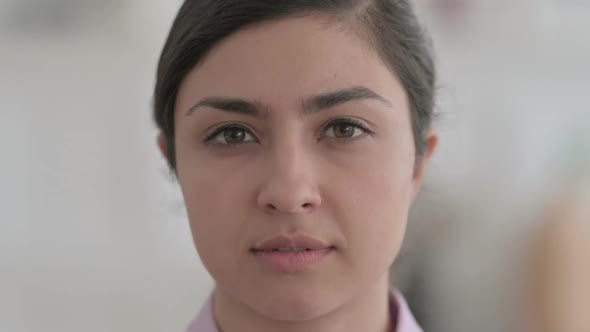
<point>93,235</point>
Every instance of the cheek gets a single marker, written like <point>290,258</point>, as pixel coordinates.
<point>373,208</point>
<point>215,201</point>
<point>381,210</point>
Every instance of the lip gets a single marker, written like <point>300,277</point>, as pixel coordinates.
<point>296,241</point>
<point>292,261</point>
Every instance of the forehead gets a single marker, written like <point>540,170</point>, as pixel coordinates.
<point>284,61</point>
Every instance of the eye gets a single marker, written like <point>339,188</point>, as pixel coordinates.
<point>231,135</point>
<point>344,129</point>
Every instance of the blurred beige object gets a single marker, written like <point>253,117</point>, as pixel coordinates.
<point>561,270</point>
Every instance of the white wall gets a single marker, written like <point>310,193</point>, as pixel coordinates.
<point>92,234</point>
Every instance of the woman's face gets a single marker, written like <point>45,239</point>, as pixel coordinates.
<point>295,128</point>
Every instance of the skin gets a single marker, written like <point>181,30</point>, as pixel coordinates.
<point>292,172</point>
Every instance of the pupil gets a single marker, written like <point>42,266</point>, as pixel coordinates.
<point>234,135</point>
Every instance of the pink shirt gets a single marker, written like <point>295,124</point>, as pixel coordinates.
<point>204,322</point>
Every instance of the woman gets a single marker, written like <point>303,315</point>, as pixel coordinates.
<point>299,132</point>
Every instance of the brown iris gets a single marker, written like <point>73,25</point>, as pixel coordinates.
<point>343,130</point>
<point>234,135</point>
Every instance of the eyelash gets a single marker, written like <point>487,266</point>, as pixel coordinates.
<point>342,121</point>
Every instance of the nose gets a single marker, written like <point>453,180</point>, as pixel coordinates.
<point>289,182</point>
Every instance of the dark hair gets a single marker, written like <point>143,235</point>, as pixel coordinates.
<point>391,26</point>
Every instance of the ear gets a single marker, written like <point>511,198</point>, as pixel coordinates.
<point>423,161</point>
<point>163,145</point>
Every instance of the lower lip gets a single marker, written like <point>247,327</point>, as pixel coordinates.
<point>292,261</point>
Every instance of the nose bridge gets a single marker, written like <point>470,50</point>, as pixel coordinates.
<point>289,160</point>
<point>289,182</point>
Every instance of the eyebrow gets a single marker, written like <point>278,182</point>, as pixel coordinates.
<point>309,105</point>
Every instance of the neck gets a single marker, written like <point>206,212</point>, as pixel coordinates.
<point>367,312</point>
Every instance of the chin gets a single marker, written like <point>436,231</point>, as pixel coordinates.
<point>295,306</point>
<point>294,312</point>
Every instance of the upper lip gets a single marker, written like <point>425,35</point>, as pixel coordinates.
<point>299,241</point>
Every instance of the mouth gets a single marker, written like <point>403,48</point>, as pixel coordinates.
<point>290,254</point>
<point>299,242</point>
<point>289,249</point>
